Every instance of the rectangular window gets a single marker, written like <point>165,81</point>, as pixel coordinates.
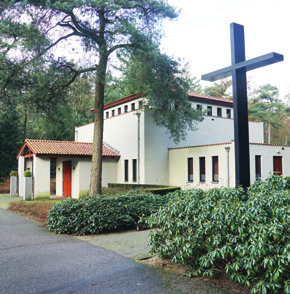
<point>209,111</point>
<point>202,169</point>
<point>126,171</point>
<point>258,166</point>
<point>215,168</point>
<point>199,107</point>
<point>107,114</point>
<point>277,165</point>
<point>140,104</point>
<point>126,108</point>
<point>119,110</point>
<point>219,112</point>
<point>190,169</point>
<point>134,169</point>
<point>133,106</point>
<point>113,112</point>
<point>229,115</point>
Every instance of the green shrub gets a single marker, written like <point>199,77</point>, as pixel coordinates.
<point>288,182</point>
<point>96,214</point>
<point>163,191</point>
<point>13,173</point>
<point>224,229</point>
<point>28,174</point>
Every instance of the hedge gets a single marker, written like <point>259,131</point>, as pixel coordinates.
<point>97,214</point>
<point>225,229</point>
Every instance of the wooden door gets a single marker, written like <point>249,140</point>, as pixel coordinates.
<point>277,165</point>
<point>67,178</point>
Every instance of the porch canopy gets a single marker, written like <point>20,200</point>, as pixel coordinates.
<point>35,155</point>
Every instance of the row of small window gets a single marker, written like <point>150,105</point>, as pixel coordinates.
<point>125,109</point>
<point>219,111</point>
<point>134,170</point>
<point>202,171</point>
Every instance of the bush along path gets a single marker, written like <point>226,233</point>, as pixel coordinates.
<point>100,214</point>
<point>226,230</point>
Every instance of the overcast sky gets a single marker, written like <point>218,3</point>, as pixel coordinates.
<point>201,35</point>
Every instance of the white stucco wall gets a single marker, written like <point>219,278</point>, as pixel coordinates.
<point>267,152</point>
<point>178,164</point>
<point>81,169</point>
<point>120,132</point>
<point>20,176</point>
<point>41,176</point>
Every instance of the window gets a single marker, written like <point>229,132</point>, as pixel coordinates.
<point>202,169</point>
<point>229,113</point>
<point>190,169</point>
<point>199,107</point>
<point>126,108</point>
<point>215,169</point>
<point>126,171</point>
<point>140,104</point>
<point>133,106</point>
<point>107,114</point>
<point>258,166</point>
<point>113,112</point>
<point>209,111</point>
<point>219,112</point>
<point>119,110</point>
<point>134,168</point>
<point>277,165</point>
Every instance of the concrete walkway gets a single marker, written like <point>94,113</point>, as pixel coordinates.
<point>133,244</point>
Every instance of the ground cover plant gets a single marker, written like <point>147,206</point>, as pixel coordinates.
<point>98,214</point>
<point>228,230</point>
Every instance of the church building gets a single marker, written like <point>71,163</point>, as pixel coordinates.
<point>135,150</point>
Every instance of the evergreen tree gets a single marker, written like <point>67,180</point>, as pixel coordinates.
<point>104,28</point>
<point>268,108</point>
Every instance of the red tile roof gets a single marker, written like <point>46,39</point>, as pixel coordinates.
<point>63,148</point>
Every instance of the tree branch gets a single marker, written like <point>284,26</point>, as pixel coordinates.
<point>114,48</point>
<point>73,78</point>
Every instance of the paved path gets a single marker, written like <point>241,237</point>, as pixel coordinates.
<point>33,260</point>
<point>130,244</point>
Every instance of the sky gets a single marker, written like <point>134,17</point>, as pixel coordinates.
<point>201,36</point>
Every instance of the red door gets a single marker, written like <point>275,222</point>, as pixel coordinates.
<point>67,178</point>
<point>277,165</point>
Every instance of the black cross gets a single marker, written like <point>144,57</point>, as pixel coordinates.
<point>238,71</point>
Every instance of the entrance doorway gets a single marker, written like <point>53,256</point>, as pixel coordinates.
<point>277,165</point>
<point>67,178</point>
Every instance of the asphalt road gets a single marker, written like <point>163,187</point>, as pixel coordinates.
<point>33,260</point>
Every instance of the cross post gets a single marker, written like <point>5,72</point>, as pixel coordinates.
<point>238,71</point>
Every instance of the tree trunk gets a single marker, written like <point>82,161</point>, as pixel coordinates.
<point>96,169</point>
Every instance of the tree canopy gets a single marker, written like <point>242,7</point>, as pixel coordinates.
<point>103,28</point>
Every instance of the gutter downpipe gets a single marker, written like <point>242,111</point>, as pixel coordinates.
<point>228,164</point>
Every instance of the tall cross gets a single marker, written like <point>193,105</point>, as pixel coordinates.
<point>238,71</point>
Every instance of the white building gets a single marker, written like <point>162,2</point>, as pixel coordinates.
<point>145,154</point>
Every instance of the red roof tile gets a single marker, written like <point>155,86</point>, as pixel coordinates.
<point>46,147</point>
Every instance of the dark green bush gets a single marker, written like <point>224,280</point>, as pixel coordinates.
<point>163,191</point>
<point>97,214</point>
<point>288,182</point>
<point>223,229</point>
